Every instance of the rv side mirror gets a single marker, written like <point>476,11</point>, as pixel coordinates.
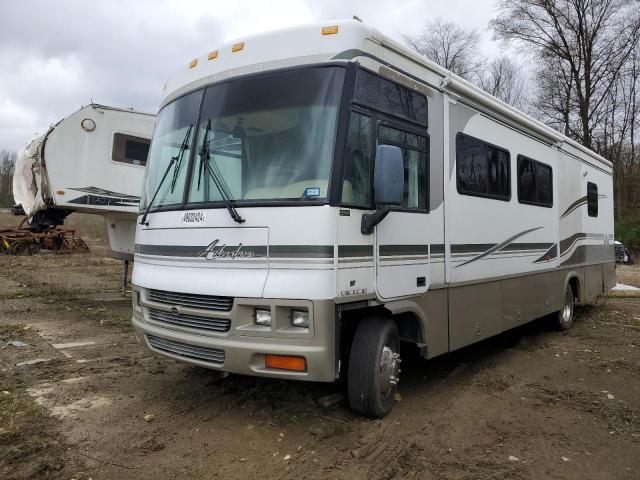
<point>388,176</point>
<point>388,184</point>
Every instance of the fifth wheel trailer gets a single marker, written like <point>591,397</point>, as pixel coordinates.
<point>92,162</point>
<point>317,195</point>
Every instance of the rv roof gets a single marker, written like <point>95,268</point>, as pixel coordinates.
<point>267,51</point>
<point>322,41</point>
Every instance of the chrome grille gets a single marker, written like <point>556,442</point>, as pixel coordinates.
<point>190,321</point>
<point>212,355</point>
<point>205,302</point>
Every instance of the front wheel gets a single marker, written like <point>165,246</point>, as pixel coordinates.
<point>374,367</point>
<point>565,315</point>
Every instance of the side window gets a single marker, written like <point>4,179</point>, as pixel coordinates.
<point>535,182</point>
<point>130,149</point>
<point>592,199</point>
<point>482,169</point>
<point>414,151</point>
<point>390,97</point>
<point>356,186</point>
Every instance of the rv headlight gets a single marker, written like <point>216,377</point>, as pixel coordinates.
<point>263,317</point>
<point>300,318</point>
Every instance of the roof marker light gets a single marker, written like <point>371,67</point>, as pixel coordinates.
<point>237,47</point>
<point>330,30</point>
<point>213,54</point>
<point>193,63</point>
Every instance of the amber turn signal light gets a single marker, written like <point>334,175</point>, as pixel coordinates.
<point>285,362</point>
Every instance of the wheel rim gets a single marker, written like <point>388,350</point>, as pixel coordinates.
<point>567,310</point>
<point>389,370</point>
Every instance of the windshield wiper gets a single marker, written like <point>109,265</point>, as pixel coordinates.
<point>177,160</point>
<point>215,176</point>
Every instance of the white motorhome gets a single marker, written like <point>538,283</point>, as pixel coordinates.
<point>92,162</point>
<point>317,195</point>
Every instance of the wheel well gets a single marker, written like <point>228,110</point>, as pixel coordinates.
<point>408,327</point>
<point>575,286</point>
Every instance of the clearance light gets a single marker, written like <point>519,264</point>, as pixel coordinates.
<point>237,47</point>
<point>330,30</point>
<point>285,362</point>
<point>193,63</point>
<point>213,55</point>
<point>60,192</point>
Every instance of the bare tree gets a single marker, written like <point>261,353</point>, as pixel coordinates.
<point>554,101</point>
<point>7,165</point>
<point>617,134</point>
<point>450,46</point>
<point>503,78</point>
<point>589,41</point>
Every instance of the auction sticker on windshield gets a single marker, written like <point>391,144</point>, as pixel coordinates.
<point>193,218</point>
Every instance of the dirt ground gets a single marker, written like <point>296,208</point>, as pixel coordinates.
<point>529,404</point>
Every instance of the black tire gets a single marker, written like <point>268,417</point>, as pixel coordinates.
<point>372,378</point>
<point>565,314</point>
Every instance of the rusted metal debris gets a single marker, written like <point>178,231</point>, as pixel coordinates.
<point>22,241</point>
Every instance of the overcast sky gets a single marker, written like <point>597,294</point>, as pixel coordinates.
<point>58,55</point>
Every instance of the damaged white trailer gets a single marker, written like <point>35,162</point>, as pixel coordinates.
<point>92,162</point>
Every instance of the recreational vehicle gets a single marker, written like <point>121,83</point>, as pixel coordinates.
<point>92,162</point>
<point>318,196</point>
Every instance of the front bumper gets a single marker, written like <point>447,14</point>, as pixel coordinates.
<point>242,348</point>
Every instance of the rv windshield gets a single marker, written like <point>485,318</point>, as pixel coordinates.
<point>170,151</point>
<point>268,137</point>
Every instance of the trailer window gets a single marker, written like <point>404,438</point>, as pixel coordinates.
<point>387,96</point>
<point>592,199</point>
<point>535,182</point>
<point>482,169</point>
<point>356,186</point>
<point>130,149</point>
<point>414,153</point>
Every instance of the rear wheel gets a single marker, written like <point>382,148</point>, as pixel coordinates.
<point>565,315</point>
<point>374,367</point>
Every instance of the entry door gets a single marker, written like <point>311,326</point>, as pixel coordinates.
<point>402,255</point>
<point>402,242</point>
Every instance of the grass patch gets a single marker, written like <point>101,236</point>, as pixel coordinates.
<point>29,444</point>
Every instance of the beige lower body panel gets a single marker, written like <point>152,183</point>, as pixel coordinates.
<point>481,310</point>
<point>244,351</point>
<point>456,316</point>
<point>450,317</point>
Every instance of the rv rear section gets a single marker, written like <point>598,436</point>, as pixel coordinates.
<point>92,162</point>
<point>307,217</point>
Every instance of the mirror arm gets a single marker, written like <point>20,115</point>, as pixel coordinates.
<point>370,220</point>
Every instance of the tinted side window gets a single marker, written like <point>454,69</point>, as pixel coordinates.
<point>356,186</point>
<point>482,169</point>
<point>414,153</point>
<point>592,199</point>
<point>391,97</point>
<point>130,149</point>
<point>535,182</point>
